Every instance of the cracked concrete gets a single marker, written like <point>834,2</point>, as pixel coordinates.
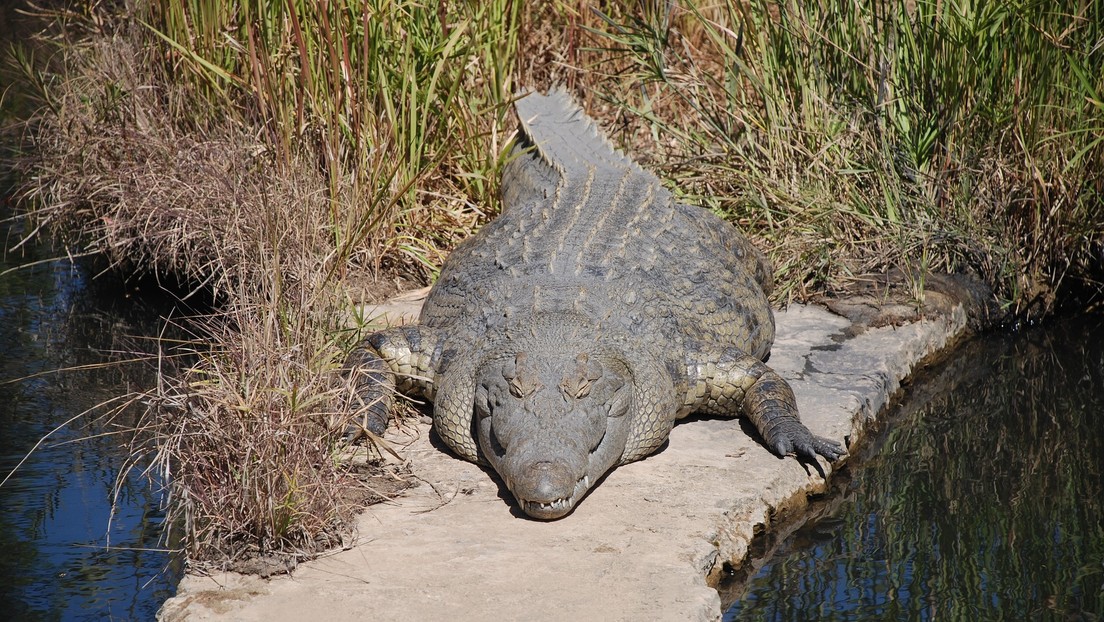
<point>644,544</point>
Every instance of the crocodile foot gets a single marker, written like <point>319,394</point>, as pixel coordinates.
<point>802,444</point>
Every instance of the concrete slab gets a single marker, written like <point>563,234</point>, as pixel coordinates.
<point>642,546</point>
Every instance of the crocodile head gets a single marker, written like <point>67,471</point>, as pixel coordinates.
<point>553,425</point>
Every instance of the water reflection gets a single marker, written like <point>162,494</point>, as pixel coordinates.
<point>61,557</point>
<point>984,501</point>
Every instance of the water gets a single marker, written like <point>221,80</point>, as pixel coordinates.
<point>64,554</point>
<point>983,500</point>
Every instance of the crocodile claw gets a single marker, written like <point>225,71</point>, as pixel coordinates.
<point>807,447</point>
<point>375,385</point>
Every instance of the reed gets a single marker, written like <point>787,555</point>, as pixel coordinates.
<point>868,135</point>
<point>380,92</point>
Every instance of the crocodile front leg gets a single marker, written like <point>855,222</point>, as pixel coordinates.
<point>401,358</point>
<point>736,382</point>
<point>413,360</point>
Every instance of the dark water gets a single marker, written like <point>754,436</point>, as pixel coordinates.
<point>79,530</point>
<point>984,500</point>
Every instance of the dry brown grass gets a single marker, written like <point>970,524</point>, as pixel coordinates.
<point>115,175</point>
<point>249,434</point>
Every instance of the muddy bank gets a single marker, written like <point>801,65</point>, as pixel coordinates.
<point>648,542</point>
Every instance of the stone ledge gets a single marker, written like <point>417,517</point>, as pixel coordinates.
<point>642,545</point>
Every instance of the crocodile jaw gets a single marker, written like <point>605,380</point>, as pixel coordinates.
<point>546,483</point>
<point>557,508</point>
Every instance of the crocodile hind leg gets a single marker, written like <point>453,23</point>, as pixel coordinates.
<point>736,382</point>
<point>397,358</point>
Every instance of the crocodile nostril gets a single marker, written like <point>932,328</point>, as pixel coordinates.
<point>545,481</point>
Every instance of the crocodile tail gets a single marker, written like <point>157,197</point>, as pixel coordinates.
<point>564,136</point>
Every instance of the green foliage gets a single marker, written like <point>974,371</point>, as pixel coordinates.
<point>953,135</point>
<point>385,94</point>
<point>396,105</point>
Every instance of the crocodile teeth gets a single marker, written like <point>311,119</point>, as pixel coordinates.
<point>559,505</point>
<point>555,506</point>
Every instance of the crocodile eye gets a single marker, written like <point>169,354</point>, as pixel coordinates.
<point>521,377</point>
<point>575,388</point>
<point>576,384</point>
<point>515,388</point>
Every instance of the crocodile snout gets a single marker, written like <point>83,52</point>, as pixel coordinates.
<point>547,490</point>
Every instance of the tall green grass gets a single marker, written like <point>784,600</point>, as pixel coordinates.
<point>854,136</point>
<point>380,92</point>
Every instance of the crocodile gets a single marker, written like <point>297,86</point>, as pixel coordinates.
<point>570,333</point>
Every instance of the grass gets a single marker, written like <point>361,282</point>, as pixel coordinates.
<point>251,436</point>
<point>854,137</point>
<point>296,158</point>
<point>287,214</point>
